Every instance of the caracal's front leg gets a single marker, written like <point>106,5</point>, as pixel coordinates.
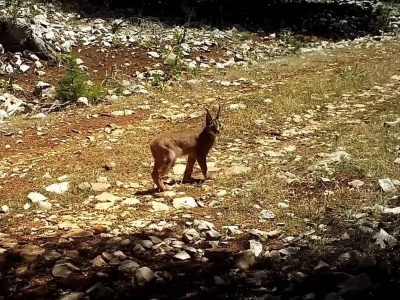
<point>187,176</point>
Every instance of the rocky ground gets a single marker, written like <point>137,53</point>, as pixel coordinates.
<point>304,203</point>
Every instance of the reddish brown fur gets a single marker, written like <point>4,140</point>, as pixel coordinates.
<point>196,144</point>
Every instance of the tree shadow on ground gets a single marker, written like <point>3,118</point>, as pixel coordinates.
<point>169,183</point>
<point>332,20</point>
<point>26,275</point>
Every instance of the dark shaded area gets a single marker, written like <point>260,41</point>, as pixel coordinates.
<point>194,279</point>
<point>333,20</point>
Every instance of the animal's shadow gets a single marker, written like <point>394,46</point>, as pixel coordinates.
<point>169,183</point>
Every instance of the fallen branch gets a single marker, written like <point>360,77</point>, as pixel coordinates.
<point>56,106</point>
<point>6,133</point>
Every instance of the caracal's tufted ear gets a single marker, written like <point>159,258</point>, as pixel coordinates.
<point>218,113</point>
<point>208,117</point>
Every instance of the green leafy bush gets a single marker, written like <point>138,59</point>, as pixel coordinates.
<point>74,84</point>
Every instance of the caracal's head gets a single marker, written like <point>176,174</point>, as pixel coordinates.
<point>213,126</point>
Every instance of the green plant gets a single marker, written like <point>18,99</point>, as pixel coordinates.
<point>353,78</point>
<point>241,35</point>
<point>74,85</point>
<point>146,44</point>
<point>3,83</point>
<point>9,3</point>
<point>243,206</point>
<point>193,70</point>
<point>174,61</point>
<point>293,40</point>
<point>156,80</point>
<point>349,214</point>
<point>348,168</point>
<point>351,73</point>
<point>60,58</point>
<point>180,35</point>
<point>174,57</point>
<point>13,7</point>
<point>385,11</point>
<point>113,81</point>
<point>117,41</point>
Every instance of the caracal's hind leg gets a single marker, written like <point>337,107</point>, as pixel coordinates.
<point>157,178</point>
<point>168,162</point>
